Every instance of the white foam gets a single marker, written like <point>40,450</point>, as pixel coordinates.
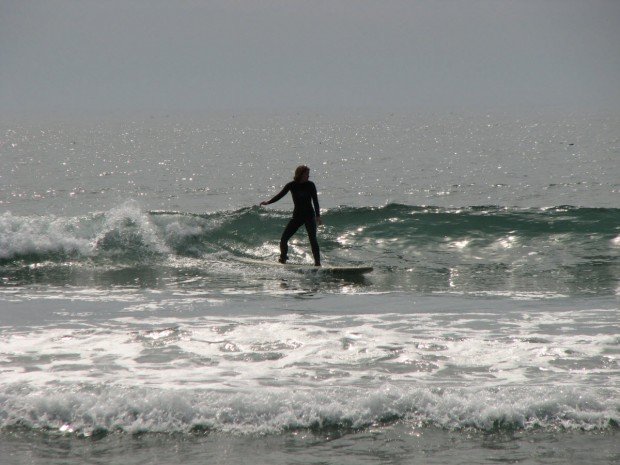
<point>23,235</point>
<point>88,409</point>
<point>129,217</point>
<point>314,351</point>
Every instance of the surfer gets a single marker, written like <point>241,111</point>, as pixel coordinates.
<point>304,197</point>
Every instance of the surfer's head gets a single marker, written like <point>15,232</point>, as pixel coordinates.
<point>302,173</point>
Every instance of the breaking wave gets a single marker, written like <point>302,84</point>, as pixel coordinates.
<point>576,247</point>
<point>99,410</point>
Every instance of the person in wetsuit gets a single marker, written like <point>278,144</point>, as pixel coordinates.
<point>306,212</point>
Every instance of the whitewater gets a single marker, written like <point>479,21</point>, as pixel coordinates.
<point>133,329</point>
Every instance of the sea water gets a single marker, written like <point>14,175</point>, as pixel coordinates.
<point>133,330</point>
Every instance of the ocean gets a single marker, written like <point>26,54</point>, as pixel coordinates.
<point>134,330</point>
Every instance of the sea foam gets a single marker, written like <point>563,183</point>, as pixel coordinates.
<point>40,235</point>
<point>87,410</point>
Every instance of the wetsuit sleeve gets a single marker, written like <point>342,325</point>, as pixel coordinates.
<point>315,200</point>
<point>281,194</point>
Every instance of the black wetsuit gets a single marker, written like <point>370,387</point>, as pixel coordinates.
<point>304,196</point>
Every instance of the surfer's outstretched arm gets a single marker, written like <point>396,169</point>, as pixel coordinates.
<point>278,196</point>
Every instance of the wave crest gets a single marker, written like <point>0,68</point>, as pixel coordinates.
<point>100,410</point>
<point>462,249</point>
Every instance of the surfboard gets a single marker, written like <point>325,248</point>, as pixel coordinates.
<point>309,268</point>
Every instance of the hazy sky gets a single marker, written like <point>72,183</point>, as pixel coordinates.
<point>67,57</point>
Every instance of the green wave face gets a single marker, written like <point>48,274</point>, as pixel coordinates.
<point>560,249</point>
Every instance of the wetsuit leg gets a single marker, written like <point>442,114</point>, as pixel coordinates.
<point>291,228</point>
<point>314,243</point>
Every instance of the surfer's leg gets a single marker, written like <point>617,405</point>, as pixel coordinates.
<point>291,228</point>
<point>314,243</point>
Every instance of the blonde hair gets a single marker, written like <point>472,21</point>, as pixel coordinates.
<point>299,172</point>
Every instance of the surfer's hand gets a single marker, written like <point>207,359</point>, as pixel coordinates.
<point>264,202</point>
<point>319,221</point>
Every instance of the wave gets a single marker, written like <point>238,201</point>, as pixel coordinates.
<point>129,231</point>
<point>99,410</point>
<point>480,241</point>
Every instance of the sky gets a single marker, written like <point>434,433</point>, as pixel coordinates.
<point>64,58</point>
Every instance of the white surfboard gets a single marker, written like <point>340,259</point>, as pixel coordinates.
<point>308,267</point>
